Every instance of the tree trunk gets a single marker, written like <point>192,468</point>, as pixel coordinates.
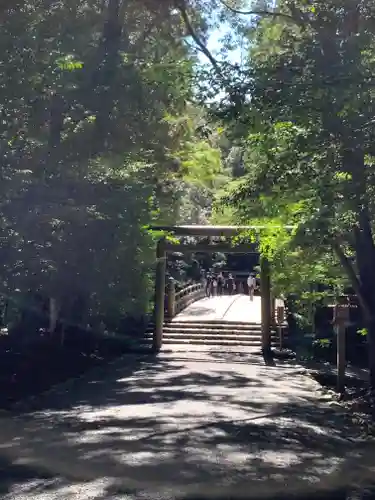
<point>265,285</point>
<point>354,163</point>
<point>56,122</point>
<point>53,314</point>
<point>5,312</point>
<point>105,75</point>
<point>365,290</point>
<point>62,335</point>
<point>371,352</point>
<point>368,292</point>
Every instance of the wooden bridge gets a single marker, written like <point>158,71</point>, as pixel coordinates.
<point>167,307</point>
<point>199,323</point>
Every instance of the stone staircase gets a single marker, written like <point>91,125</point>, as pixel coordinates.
<point>211,334</point>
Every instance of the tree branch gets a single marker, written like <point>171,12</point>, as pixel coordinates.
<point>235,97</point>
<point>8,5</point>
<point>180,5</point>
<point>266,13</point>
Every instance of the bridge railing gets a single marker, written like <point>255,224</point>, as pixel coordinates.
<point>177,301</point>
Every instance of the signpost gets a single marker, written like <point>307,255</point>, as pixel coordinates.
<point>341,319</point>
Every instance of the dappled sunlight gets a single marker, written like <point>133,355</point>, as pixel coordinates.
<point>195,311</point>
<point>187,426</point>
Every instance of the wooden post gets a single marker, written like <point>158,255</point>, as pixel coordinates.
<point>280,324</point>
<point>341,319</point>
<point>341,356</point>
<point>171,298</point>
<point>159,294</point>
<point>265,289</point>
<point>273,311</point>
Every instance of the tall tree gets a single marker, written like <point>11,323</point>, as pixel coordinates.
<point>87,148</point>
<point>311,131</point>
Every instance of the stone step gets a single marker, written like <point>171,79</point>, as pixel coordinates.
<point>209,322</point>
<point>211,334</point>
<point>214,326</point>
<point>213,342</point>
<point>209,331</point>
<point>249,354</point>
<point>208,343</point>
<point>171,344</point>
<point>208,337</point>
<point>206,328</point>
<point>203,336</point>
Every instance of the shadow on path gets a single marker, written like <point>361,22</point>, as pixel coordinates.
<point>195,312</point>
<point>174,426</point>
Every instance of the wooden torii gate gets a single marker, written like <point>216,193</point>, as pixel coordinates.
<point>164,247</point>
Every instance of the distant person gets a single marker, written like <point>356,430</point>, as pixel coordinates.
<point>251,283</point>
<point>202,277</point>
<point>230,284</point>
<point>220,284</point>
<point>208,284</point>
<point>214,286</point>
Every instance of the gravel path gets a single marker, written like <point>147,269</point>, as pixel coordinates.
<point>181,423</point>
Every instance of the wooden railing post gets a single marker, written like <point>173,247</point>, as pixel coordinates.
<point>171,305</point>
<point>187,295</point>
<point>273,311</point>
<point>159,295</point>
<point>280,318</point>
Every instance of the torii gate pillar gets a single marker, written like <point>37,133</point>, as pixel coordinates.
<point>161,263</point>
<point>266,303</point>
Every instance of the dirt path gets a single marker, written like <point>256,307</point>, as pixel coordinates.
<point>214,423</point>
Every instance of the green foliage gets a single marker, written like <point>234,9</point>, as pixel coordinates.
<point>324,343</point>
<point>86,92</point>
<point>363,332</point>
<point>200,163</point>
<point>69,63</point>
<point>307,136</point>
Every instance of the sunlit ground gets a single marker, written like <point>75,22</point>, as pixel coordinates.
<point>213,424</point>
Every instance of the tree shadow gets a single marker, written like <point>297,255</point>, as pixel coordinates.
<point>196,427</point>
<point>194,311</point>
